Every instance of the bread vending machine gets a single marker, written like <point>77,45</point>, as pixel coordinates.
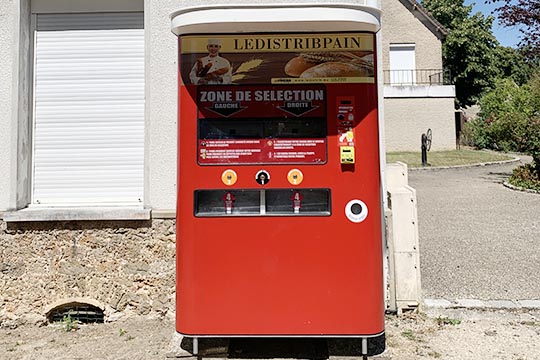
<point>279,226</point>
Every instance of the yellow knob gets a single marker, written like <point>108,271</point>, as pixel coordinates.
<point>295,177</point>
<point>229,177</point>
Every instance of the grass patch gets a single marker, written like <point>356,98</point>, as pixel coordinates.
<point>446,158</point>
<point>409,335</point>
<point>447,321</point>
<point>70,324</point>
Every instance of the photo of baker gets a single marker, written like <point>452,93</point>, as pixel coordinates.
<point>211,69</point>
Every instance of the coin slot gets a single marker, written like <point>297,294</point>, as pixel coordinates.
<point>262,177</point>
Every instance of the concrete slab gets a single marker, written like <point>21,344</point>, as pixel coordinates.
<point>437,303</point>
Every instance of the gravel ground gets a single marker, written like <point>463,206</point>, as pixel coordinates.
<point>441,334</point>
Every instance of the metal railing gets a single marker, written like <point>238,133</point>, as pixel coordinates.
<point>417,77</point>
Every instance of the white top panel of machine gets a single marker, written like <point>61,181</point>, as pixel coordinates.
<point>301,17</point>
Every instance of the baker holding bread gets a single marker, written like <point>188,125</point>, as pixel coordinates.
<point>211,69</point>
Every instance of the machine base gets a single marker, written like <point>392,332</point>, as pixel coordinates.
<point>308,347</point>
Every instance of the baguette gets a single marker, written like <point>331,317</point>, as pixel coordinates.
<point>334,69</point>
<point>297,65</point>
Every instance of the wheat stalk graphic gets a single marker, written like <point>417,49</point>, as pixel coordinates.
<point>246,67</point>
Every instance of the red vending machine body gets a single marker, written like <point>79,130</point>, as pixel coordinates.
<point>279,228</point>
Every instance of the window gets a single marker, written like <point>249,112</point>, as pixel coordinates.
<point>88,138</point>
<point>402,64</point>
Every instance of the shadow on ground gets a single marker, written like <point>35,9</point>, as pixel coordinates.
<point>270,348</point>
<point>497,177</point>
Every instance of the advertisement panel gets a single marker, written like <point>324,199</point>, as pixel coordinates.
<point>277,59</point>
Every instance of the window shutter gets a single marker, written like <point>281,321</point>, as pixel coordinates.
<point>402,64</point>
<point>88,109</point>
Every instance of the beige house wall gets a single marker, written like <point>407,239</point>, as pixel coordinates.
<point>400,26</point>
<point>8,12</point>
<point>407,118</point>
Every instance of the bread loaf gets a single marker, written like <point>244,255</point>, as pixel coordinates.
<point>334,69</point>
<point>297,65</point>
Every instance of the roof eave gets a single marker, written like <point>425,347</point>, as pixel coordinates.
<point>425,18</point>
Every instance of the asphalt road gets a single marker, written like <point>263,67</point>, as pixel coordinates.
<point>478,239</point>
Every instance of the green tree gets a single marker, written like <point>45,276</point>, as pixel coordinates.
<point>526,15</point>
<point>511,63</point>
<point>448,12</point>
<point>507,97</point>
<point>468,49</point>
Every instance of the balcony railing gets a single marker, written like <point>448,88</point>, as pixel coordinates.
<point>417,77</point>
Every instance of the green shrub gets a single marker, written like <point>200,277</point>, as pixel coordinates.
<point>466,136</point>
<point>475,133</point>
<point>532,144</point>
<point>508,131</point>
<point>506,98</point>
<point>509,120</point>
<point>525,177</point>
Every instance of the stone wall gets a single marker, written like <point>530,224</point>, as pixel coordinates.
<point>127,267</point>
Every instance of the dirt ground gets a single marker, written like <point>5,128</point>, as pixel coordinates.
<point>436,334</point>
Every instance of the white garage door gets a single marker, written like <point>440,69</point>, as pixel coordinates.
<point>88,109</point>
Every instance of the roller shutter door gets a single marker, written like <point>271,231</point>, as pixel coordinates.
<point>88,142</point>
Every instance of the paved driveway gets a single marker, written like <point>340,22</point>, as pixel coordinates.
<point>478,239</point>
